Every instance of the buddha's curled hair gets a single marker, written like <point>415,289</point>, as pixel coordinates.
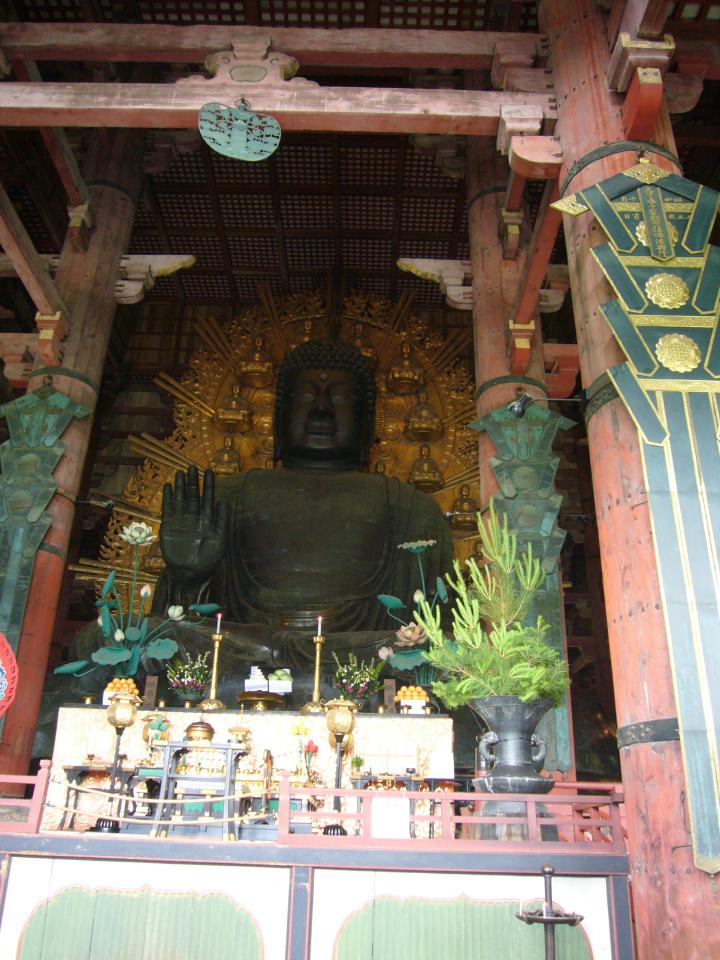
<point>327,355</point>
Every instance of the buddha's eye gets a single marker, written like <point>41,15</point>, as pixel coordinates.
<point>305,392</point>
<point>343,395</point>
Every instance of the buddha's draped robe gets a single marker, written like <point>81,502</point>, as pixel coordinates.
<point>302,544</point>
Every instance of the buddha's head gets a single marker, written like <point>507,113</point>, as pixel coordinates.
<point>324,407</point>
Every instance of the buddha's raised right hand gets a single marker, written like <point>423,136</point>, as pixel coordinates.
<point>193,529</point>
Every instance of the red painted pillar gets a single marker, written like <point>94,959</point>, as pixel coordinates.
<point>86,282</point>
<point>675,904</point>
<point>494,287</point>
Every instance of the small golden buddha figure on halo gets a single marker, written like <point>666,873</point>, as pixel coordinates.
<point>405,375</point>
<point>226,460</point>
<point>422,422</point>
<point>234,415</point>
<point>307,333</point>
<point>385,455</point>
<point>464,510</point>
<point>256,366</point>
<point>477,557</point>
<point>425,474</point>
<point>153,561</point>
<point>363,345</point>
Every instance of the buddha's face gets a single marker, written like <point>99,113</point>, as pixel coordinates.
<point>323,419</point>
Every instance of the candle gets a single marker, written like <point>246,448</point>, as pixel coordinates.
<point>319,633</point>
<point>219,620</point>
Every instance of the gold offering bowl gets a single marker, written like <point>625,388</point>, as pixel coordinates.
<point>260,700</point>
<point>199,732</point>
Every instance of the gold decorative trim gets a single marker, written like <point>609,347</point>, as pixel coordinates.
<point>678,352</point>
<point>653,385</point>
<point>643,260</point>
<point>570,205</point>
<point>667,290</point>
<point>646,172</point>
<point>665,320</point>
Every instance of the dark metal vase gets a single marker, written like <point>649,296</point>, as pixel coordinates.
<point>511,746</point>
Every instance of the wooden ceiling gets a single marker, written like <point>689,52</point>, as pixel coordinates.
<point>430,14</point>
<point>341,204</point>
<point>325,205</point>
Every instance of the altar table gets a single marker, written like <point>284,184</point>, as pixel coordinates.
<point>388,743</point>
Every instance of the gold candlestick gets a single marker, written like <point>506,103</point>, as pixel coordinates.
<point>316,705</point>
<point>213,703</point>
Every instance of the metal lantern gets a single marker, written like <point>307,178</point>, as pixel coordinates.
<point>122,711</point>
<point>340,717</point>
<point>340,720</point>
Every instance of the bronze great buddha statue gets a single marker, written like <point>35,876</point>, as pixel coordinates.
<point>317,536</point>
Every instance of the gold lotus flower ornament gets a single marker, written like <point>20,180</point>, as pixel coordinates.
<point>678,352</point>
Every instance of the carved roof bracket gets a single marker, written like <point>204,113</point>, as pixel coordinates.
<point>631,53</point>
<point>250,62</point>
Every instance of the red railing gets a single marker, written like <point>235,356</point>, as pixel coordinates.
<point>587,821</point>
<point>34,805</point>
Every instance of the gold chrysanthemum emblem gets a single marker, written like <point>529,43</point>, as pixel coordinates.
<point>677,352</point>
<point>667,290</point>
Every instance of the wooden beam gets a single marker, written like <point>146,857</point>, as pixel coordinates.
<point>639,18</point>
<point>535,158</point>
<point>136,272</point>
<point>296,108</point>
<point>515,186</point>
<point>642,104</point>
<point>522,322</point>
<point>699,56</point>
<point>63,158</point>
<point>28,264</point>
<point>682,91</point>
<point>58,147</point>
<point>161,43</point>
<point>631,53</point>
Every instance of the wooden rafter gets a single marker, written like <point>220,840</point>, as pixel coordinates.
<point>28,264</point>
<point>461,49</point>
<point>154,106</point>
<point>640,18</point>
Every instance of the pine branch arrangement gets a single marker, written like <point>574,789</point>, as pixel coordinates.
<point>492,652</point>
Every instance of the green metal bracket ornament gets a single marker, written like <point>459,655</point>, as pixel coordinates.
<point>36,421</point>
<point>237,132</point>
<point>525,467</point>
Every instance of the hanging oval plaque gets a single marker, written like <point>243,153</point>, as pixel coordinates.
<point>238,132</point>
<point>8,675</point>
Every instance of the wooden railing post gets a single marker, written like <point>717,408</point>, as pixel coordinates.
<point>446,820</point>
<point>532,824</point>
<point>367,815</point>
<point>283,833</point>
<point>37,800</point>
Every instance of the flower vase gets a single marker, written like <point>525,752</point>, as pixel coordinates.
<point>189,698</point>
<point>511,745</point>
